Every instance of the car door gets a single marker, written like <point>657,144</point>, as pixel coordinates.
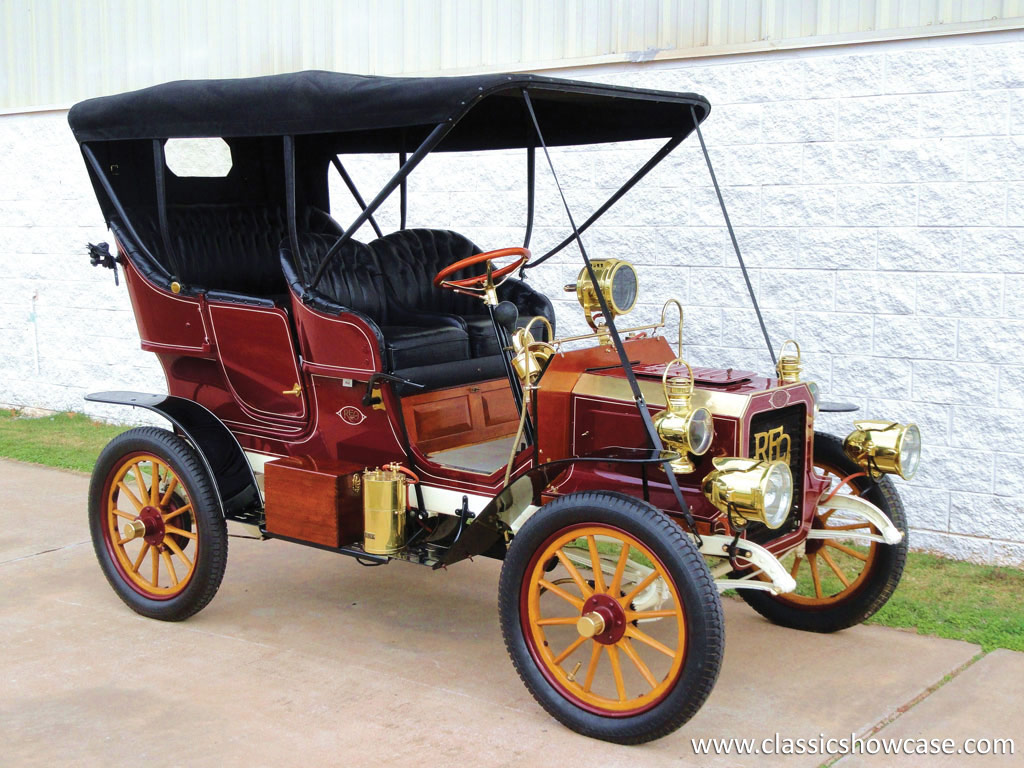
<point>259,360</point>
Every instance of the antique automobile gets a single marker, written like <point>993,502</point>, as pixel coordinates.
<point>408,398</point>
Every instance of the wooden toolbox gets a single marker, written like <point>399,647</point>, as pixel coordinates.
<point>317,501</point>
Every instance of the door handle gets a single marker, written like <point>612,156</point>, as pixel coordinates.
<point>296,390</point>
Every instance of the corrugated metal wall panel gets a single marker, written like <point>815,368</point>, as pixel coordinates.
<point>59,51</point>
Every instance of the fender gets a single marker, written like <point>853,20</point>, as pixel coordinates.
<point>218,449</point>
<point>489,532</point>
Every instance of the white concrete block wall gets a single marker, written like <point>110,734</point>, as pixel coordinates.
<point>877,191</point>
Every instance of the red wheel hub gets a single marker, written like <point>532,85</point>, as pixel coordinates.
<point>154,522</point>
<point>608,608</point>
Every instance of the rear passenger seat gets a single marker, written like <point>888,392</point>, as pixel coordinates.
<point>230,251</point>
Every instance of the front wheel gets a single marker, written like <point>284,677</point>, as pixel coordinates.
<point>611,617</point>
<point>839,582</point>
<point>156,524</point>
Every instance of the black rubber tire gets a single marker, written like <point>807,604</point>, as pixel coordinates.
<point>886,569</point>
<point>212,554</point>
<point>701,604</point>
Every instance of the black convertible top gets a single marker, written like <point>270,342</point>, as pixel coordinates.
<point>389,113</point>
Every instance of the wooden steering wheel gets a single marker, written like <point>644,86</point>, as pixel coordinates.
<point>478,284</point>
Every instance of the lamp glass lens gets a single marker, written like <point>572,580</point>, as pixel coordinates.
<point>624,288</point>
<point>778,495</point>
<point>700,432</point>
<point>910,451</point>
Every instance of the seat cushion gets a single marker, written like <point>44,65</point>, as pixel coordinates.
<point>482,340</point>
<point>452,374</point>
<point>410,346</point>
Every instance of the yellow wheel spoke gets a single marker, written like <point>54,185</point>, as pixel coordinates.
<point>131,496</point>
<point>173,514</point>
<point>595,563</point>
<point>595,657</point>
<point>177,550</point>
<point>630,651</point>
<point>616,586</point>
<point>813,562</point>
<point>848,550</point>
<point>179,532</point>
<point>646,639</point>
<point>568,651</point>
<point>156,567</point>
<point>171,485</point>
<point>647,581</point>
<point>170,567</point>
<point>141,557</point>
<point>847,527</point>
<point>796,566</point>
<point>620,686</point>
<point>576,576</point>
<point>836,569</point>
<point>119,513</point>
<point>143,490</point>
<point>154,485</point>
<point>557,590</point>
<point>558,621</point>
<point>640,615</point>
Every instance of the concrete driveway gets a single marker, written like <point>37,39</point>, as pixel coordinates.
<point>305,658</point>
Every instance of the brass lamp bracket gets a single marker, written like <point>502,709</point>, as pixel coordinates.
<point>679,343</point>
<point>602,335</point>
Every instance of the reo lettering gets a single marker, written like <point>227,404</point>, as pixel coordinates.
<point>772,445</point>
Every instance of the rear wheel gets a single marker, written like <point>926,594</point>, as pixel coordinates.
<point>156,524</point>
<point>611,617</point>
<point>839,582</point>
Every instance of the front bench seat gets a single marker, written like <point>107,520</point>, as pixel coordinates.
<point>354,281</point>
<point>410,259</point>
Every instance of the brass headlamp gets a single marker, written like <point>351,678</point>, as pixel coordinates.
<point>885,447</point>
<point>617,282</point>
<point>751,489</point>
<point>683,428</point>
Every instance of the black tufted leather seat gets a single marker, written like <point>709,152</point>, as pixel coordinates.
<point>412,257</point>
<point>432,336</point>
<point>230,248</point>
<point>355,281</point>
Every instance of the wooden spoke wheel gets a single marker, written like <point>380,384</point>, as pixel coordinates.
<point>153,552</point>
<point>611,617</point>
<point>156,524</point>
<point>840,582</point>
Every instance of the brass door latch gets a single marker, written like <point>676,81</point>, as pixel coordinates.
<point>296,390</point>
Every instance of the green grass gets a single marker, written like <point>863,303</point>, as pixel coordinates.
<point>65,440</point>
<point>977,603</point>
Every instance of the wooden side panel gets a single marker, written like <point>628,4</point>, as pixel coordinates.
<point>498,408</point>
<point>443,418</point>
<point>314,501</point>
<point>458,416</point>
